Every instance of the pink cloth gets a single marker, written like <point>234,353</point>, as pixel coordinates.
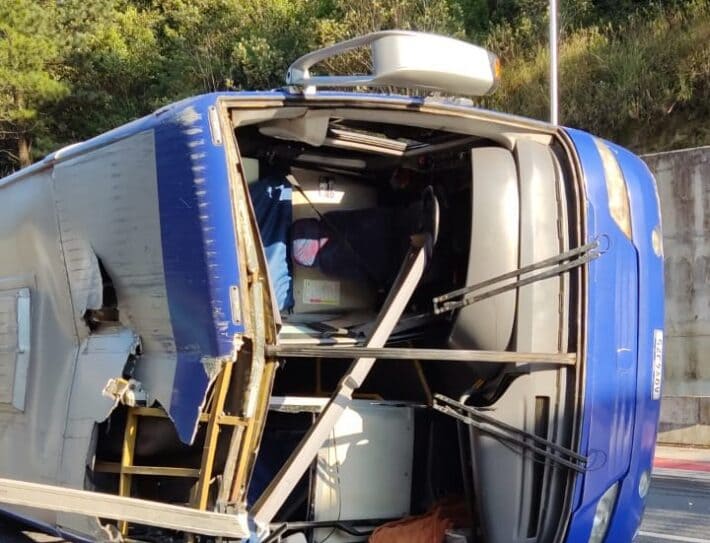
<point>305,251</point>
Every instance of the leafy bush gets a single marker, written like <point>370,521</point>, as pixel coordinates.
<point>634,71</point>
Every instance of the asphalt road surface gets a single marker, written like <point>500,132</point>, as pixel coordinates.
<point>678,511</point>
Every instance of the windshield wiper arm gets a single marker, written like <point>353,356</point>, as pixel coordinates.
<point>476,418</point>
<point>558,264</point>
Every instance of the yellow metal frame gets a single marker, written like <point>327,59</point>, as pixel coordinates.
<point>214,417</point>
<point>252,435</point>
<point>210,446</point>
<point>127,455</point>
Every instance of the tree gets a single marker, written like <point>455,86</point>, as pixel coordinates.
<point>29,54</point>
<point>232,44</point>
<point>70,69</point>
<point>111,58</point>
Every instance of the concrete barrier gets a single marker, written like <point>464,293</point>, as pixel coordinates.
<point>683,179</point>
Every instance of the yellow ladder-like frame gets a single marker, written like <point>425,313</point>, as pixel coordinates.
<point>214,417</point>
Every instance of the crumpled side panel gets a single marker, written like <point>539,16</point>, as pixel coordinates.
<point>199,250</point>
<point>107,202</point>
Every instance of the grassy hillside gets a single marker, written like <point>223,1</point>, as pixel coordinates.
<point>644,83</point>
<point>634,71</point>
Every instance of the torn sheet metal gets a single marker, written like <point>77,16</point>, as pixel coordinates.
<point>199,249</point>
<point>110,203</point>
<point>102,357</point>
<point>85,283</point>
<point>161,224</point>
<point>126,392</point>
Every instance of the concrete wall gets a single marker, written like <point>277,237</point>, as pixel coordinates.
<point>683,179</point>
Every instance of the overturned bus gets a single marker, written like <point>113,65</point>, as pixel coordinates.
<point>306,315</point>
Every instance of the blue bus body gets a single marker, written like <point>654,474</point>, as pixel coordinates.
<point>621,413</point>
<point>202,267</point>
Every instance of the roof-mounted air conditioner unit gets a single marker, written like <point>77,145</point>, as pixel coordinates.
<point>413,60</point>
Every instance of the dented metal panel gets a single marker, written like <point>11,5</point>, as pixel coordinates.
<point>149,207</point>
<point>30,439</point>
<point>200,260</point>
<point>107,205</point>
<point>102,356</point>
<point>155,208</point>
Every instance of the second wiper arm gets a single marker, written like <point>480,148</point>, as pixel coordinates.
<point>500,430</point>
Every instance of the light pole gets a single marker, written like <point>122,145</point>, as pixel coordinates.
<point>553,63</point>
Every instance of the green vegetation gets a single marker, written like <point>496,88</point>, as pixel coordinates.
<point>643,81</point>
<point>634,71</point>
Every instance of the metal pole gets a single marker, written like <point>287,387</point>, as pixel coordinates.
<point>553,63</point>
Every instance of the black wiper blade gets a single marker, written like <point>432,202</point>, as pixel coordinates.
<point>476,418</point>
<point>557,265</point>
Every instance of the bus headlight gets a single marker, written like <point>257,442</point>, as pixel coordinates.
<point>657,241</point>
<point>616,188</point>
<point>644,484</point>
<point>602,515</point>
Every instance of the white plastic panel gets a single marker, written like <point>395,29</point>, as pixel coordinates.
<point>495,224</point>
<point>433,62</point>
<point>539,303</point>
<point>364,469</point>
